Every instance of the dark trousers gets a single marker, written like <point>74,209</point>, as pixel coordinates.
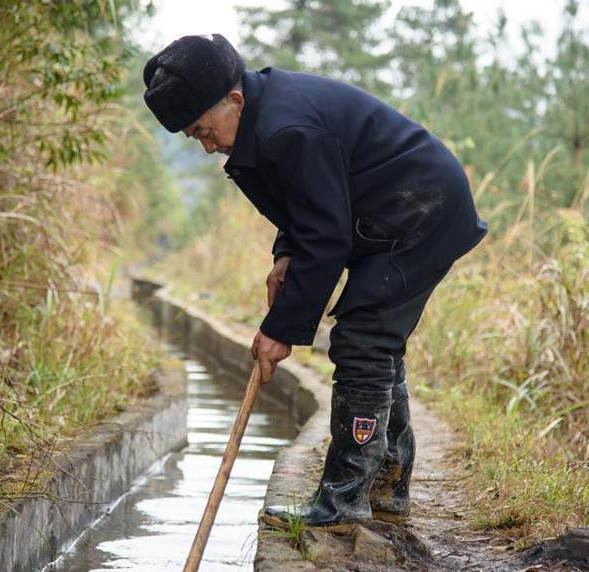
<point>368,343</point>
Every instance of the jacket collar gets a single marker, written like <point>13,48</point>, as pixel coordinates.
<point>244,149</point>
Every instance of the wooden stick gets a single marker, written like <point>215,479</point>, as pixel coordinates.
<point>237,431</point>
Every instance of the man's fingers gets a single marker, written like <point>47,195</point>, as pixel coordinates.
<point>266,369</point>
<point>268,352</point>
<point>275,279</point>
<point>254,348</point>
<point>272,286</point>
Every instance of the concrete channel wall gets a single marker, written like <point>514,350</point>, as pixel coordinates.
<point>299,389</point>
<point>91,476</point>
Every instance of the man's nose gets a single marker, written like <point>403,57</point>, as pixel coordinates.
<point>209,146</point>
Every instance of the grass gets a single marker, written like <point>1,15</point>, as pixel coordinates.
<point>291,529</point>
<point>69,357</point>
<point>222,274</point>
<point>66,367</point>
<point>502,353</point>
<point>525,482</point>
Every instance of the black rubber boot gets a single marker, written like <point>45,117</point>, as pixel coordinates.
<point>390,492</point>
<point>359,421</point>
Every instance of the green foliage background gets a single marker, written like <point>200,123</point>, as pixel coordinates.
<point>497,110</point>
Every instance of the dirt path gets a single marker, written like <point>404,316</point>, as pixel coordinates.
<point>438,504</point>
<point>435,537</point>
<point>439,510</point>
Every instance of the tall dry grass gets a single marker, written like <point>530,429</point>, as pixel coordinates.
<point>68,357</point>
<point>503,350</point>
<point>225,268</point>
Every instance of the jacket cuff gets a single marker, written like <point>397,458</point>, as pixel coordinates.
<point>300,335</point>
<point>282,246</point>
<point>281,254</point>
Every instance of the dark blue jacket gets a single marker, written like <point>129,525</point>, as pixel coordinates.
<point>349,182</point>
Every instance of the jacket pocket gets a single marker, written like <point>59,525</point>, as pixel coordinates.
<point>374,274</point>
<point>375,235</point>
<point>368,241</point>
<point>380,241</point>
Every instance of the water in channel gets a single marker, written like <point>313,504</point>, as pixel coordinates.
<point>151,529</point>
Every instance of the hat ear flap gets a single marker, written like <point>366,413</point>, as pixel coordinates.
<point>149,70</point>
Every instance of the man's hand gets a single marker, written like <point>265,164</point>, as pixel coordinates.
<point>268,352</point>
<point>275,279</point>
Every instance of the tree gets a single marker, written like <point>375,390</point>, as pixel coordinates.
<point>435,62</point>
<point>339,39</point>
<point>567,114</point>
<point>61,64</point>
<point>462,87</point>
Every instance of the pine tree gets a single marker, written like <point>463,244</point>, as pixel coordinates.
<point>461,87</point>
<point>567,114</point>
<point>338,39</point>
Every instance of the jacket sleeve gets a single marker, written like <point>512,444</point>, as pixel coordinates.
<point>311,166</point>
<point>282,246</point>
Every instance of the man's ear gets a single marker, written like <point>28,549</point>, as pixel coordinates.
<point>235,96</point>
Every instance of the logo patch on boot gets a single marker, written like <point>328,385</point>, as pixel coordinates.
<point>363,430</point>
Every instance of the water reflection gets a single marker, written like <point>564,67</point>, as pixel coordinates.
<point>152,528</point>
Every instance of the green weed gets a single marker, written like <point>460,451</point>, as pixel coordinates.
<point>292,528</point>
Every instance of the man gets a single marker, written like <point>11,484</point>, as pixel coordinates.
<point>349,182</point>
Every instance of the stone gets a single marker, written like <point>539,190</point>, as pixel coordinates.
<point>339,529</point>
<point>272,521</point>
<point>407,544</point>
<point>390,517</point>
<point>322,546</point>
<point>278,553</point>
<point>373,546</point>
<point>572,545</point>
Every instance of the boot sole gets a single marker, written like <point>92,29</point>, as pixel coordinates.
<point>282,524</point>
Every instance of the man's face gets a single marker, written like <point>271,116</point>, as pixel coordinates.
<point>217,127</point>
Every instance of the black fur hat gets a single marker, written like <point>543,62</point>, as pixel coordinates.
<point>188,77</point>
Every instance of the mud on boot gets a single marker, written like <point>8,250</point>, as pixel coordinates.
<point>359,421</point>
<point>390,491</point>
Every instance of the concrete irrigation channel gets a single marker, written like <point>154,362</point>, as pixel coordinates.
<point>300,392</point>
<point>152,513</point>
